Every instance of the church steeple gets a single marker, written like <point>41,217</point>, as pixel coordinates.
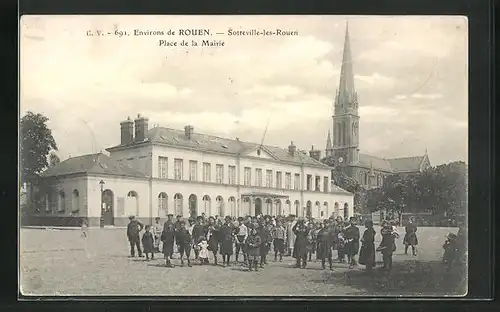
<point>346,117</point>
<point>329,147</point>
<point>346,97</point>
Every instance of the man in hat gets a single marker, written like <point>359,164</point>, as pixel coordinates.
<point>177,227</point>
<point>199,231</point>
<point>300,248</point>
<point>266,241</point>
<point>133,229</point>
<point>157,229</point>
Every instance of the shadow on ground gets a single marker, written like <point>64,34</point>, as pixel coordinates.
<point>407,278</point>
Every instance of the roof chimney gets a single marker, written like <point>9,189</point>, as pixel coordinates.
<point>315,154</point>
<point>141,127</point>
<point>188,131</point>
<point>127,131</point>
<point>292,149</point>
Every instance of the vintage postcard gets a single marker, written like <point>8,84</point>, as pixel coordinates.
<point>243,155</point>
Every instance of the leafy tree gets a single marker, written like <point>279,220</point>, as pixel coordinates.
<point>36,143</point>
<point>53,159</point>
<point>441,190</point>
<point>347,183</point>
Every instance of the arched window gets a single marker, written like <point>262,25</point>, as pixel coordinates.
<point>318,208</point>
<point>366,178</point>
<point>61,202</point>
<point>220,206</point>
<point>246,206</point>
<point>288,207</point>
<point>297,208</point>
<point>309,209</point>
<point>162,204</point>
<point>336,209</point>
<point>232,206</point>
<point>178,204</point>
<point>325,208</point>
<point>75,201</point>
<point>206,205</point>
<point>133,203</point>
<point>269,206</point>
<point>279,211</point>
<point>193,206</point>
<point>346,211</point>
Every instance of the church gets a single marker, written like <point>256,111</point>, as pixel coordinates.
<point>369,171</point>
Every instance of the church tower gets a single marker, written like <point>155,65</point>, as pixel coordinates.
<point>345,115</point>
<point>329,147</point>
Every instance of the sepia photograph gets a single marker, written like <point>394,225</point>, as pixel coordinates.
<point>243,155</point>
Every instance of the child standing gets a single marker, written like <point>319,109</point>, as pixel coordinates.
<point>252,247</point>
<point>203,250</point>
<point>387,245</point>
<point>167,238</point>
<point>157,229</point>
<point>85,229</point>
<point>184,241</point>
<point>148,242</point>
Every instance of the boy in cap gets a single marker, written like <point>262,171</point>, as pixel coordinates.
<point>133,229</point>
<point>252,246</point>
<point>148,243</point>
<point>279,234</point>
<point>184,242</point>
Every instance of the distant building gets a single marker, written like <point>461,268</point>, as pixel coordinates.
<point>154,172</point>
<point>369,171</point>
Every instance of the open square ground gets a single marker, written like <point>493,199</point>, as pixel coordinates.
<point>61,262</point>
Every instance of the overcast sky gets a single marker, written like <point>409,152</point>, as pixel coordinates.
<point>410,75</point>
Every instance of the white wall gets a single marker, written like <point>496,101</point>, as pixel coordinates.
<point>70,202</point>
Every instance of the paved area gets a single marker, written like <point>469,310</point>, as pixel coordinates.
<point>61,262</point>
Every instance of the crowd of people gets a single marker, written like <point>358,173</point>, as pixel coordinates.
<point>253,237</point>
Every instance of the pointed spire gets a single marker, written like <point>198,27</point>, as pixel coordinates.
<point>425,151</point>
<point>371,169</point>
<point>329,141</point>
<point>346,85</point>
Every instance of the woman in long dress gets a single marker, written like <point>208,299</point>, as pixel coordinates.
<point>213,238</point>
<point>367,251</point>
<point>291,236</point>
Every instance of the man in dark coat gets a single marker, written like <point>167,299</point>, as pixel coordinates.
<point>325,244</point>
<point>184,242</point>
<point>133,229</point>
<point>301,243</point>
<point>410,238</point>
<point>352,236</point>
<point>199,230</point>
<point>266,241</point>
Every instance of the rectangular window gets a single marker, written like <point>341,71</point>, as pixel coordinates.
<point>232,175</point>
<point>162,167</point>
<point>309,182</point>
<point>325,184</point>
<point>193,170</point>
<point>288,180</point>
<point>207,172</point>
<point>317,183</point>
<point>269,178</point>
<point>258,177</point>
<point>219,174</point>
<point>296,182</point>
<point>247,176</point>
<point>279,180</point>
<point>178,169</point>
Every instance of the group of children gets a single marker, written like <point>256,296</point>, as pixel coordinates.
<point>252,237</point>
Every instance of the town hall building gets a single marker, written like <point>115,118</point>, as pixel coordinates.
<point>160,171</point>
<point>369,171</point>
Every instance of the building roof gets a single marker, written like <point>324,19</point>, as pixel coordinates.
<point>402,164</point>
<point>210,143</point>
<point>94,164</point>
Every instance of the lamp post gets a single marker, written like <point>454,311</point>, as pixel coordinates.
<point>101,220</point>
